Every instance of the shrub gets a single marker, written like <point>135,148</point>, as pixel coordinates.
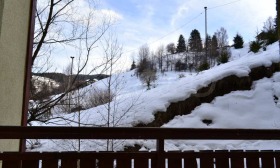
<point>181,75</point>
<point>148,77</point>
<point>99,97</point>
<point>203,66</point>
<point>223,58</point>
<point>255,46</point>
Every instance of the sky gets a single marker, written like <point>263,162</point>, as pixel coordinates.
<point>157,22</point>
<point>160,22</point>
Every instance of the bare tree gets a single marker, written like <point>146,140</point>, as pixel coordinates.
<point>172,61</point>
<point>58,25</point>
<point>144,52</point>
<point>98,96</point>
<point>143,56</point>
<point>170,48</point>
<point>222,38</point>
<point>160,57</point>
<point>269,25</point>
<point>113,85</point>
<point>222,41</point>
<point>148,77</point>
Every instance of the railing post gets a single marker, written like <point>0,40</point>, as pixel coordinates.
<point>160,154</point>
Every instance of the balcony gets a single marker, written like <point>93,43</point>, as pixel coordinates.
<point>155,159</point>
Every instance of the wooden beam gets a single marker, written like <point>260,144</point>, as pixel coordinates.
<point>16,132</point>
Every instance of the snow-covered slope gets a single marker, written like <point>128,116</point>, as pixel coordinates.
<point>138,104</point>
<point>256,108</point>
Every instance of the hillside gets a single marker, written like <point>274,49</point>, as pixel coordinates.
<point>258,107</point>
<point>63,78</point>
<point>44,85</point>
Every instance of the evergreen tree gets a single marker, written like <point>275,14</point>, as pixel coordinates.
<point>238,41</point>
<point>214,47</point>
<point>203,66</point>
<point>255,46</point>
<point>209,43</point>
<point>195,42</point>
<point>133,66</point>
<point>224,57</point>
<point>181,46</point>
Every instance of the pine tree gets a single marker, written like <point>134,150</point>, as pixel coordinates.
<point>133,65</point>
<point>209,42</point>
<point>238,41</point>
<point>255,46</point>
<point>214,47</point>
<point>181,46</point>
<point>195,42</point>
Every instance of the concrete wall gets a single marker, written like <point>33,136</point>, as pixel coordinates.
<point>14,26</point>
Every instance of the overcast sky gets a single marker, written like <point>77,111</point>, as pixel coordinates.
<point>156,22</point>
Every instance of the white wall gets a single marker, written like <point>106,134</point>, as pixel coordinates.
<point>14,25</point>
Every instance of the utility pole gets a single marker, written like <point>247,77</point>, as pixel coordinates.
<point>79,120</point>
<point>72,67</point>
<point>206,41</point>
<point>70,83</point>
<point>278,21</point>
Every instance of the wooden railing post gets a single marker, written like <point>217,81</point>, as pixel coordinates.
<point>160,154</point>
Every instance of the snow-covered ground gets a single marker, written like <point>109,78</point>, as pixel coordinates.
<point>256,108</point>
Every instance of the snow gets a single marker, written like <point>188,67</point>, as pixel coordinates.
<point>39,81</point>
<point>257,108</point>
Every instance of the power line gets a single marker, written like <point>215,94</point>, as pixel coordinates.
<point>194,18</point>
<point>177,28</point>
<point>223,5</point>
